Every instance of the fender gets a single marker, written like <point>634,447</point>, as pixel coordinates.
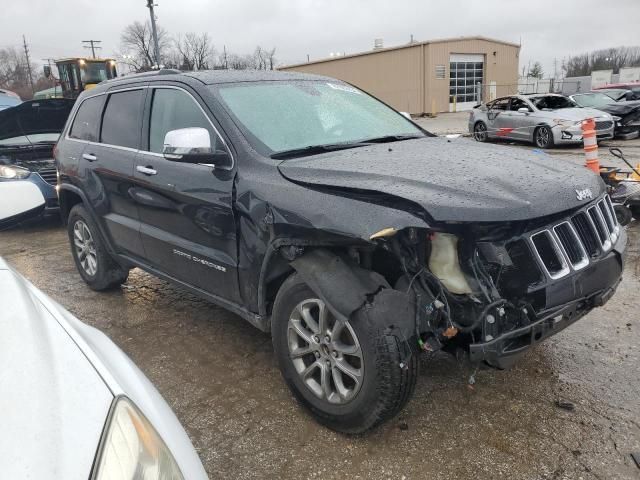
<point>349,290</point>
<point>87,205</point>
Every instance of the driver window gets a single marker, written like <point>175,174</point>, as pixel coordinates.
<point>517,103</point>
<point>172,109</point>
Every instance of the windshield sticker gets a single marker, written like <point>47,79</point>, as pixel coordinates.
<point>344,88</point>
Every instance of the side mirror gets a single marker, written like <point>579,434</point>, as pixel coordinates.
<point>192,145</point>
<point>47,71</point>
<point>523,110</point>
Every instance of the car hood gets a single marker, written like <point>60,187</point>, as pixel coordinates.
<point>54,401</point>
<point>35,117</point>
<point>621,109</point>
<point>454,180</point>
<point>576,113</point>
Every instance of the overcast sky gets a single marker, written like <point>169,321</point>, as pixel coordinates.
<point>548,29</point>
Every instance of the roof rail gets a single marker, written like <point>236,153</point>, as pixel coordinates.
<point>150,73</point>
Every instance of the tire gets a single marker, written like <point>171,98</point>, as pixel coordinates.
<point>624,214</point>
<point>635,211</point>
<point>480,132</point>
<point>95,265</point>
<point>384,387</point>
<point>543,137</point>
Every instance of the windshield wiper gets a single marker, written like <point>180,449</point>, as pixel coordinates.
<point>315,149</point>
<point>392,138</point>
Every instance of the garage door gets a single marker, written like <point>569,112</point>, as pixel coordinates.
<point>465,72</point>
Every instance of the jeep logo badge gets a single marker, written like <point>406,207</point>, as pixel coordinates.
<point>584,194</point>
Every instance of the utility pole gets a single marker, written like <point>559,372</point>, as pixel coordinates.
<point>92,46</point>
<point>150,6</point>
<point>26,56</point>
<point>224,49</point>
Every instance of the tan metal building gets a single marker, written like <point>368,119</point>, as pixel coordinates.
<point>432,76</point>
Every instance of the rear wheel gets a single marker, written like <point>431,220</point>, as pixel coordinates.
<point>624,214</point>
<point>95,265</point>
<point>346,373</point>
<point>480,132</point>
<point>543,137</point>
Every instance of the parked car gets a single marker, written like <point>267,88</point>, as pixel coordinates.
<point>8,99</point>
<point>323,216</point>
<point>621,91</point>
<point>544,119</point>
<point>75,406</point>
<point>626,114</point>
<point>28,134</point>
<point>20,201</point>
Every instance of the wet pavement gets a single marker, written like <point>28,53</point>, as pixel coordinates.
<point>220,376</point>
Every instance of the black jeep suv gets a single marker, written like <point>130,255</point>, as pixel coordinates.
<point>318,213</point>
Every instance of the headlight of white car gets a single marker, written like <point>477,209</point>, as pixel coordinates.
<point>132,449</point>
<point>8,172</point>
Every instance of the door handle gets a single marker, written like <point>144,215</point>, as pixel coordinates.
<point>146,170</point>
<point>89,156</point>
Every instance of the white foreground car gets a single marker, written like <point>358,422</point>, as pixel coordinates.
<point>73,405</point>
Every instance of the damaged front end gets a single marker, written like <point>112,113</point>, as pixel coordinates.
<point>494,289</point>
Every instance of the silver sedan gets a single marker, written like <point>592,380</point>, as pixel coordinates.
<point>544,119</point>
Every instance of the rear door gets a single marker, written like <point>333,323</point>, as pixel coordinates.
<point>187,222</point>
<point>496,118</point>
<point>110,164</point>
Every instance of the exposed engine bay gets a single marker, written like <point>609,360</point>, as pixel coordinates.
<point>494,289</point>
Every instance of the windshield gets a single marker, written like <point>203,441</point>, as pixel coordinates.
<point>552,102</point>
<point>615,93</point>
<point>593,100</point>
<point>93,72</point>
<point>281,116</point>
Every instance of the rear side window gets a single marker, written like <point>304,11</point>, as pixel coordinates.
<point>85,124</point>
<point>173,109</point>
<point>122,118</point>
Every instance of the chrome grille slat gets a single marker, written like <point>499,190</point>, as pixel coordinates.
<point>572,243</point>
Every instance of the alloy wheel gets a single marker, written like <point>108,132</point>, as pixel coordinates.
<point>85,248</point>
<point>542,137</point>
<point>480,132</point>
<point>325,352</point>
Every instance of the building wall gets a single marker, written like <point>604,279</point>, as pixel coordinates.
<point>501,68</point>
<point>406,79</point>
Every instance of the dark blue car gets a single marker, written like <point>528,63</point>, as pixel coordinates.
<point>28,134</point>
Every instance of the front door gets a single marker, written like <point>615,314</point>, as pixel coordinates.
<point>187,222</point>
<point>521,122</point>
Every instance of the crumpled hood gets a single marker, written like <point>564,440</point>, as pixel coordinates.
<point>621,108</point>
<point>453,180</point>
<point>54,403</point>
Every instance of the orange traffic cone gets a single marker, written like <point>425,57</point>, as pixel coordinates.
<point>590,145</point>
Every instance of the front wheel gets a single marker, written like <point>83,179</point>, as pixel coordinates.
<point>543,137</point>
<point>349,374</point>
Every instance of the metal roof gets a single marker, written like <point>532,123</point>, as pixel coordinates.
<point>400,47</point>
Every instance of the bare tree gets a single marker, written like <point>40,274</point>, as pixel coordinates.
<point>264,59</point>
<point>14,72</point>
<point>607,59</point>
<point>197,51</point>
<point>241,62</point>
<point>536,71</point>
<point>136,45</point>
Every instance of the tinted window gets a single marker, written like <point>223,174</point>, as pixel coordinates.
<point>85,125</point>
<point>518,103</point>
<point>121,120</point>
<point>173,109</point>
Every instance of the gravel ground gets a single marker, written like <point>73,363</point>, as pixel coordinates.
<point>219,375</point>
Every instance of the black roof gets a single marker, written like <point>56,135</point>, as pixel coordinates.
<point>211,77</point>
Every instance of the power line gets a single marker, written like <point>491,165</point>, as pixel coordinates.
<point>26,55</point>
<point>92,46</point>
